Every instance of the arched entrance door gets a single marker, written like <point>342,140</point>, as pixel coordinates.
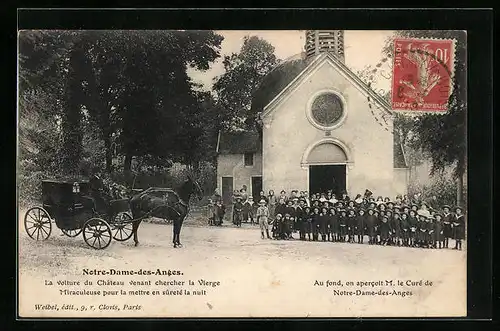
<point>327,162</point>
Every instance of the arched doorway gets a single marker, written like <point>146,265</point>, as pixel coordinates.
<point>327,165</point>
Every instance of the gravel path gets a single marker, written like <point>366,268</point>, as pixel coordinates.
<point>257,277</point>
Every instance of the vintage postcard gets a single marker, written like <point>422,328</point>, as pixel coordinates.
<point>313,173</point>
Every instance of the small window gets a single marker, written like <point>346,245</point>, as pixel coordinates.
<point>248,159</point>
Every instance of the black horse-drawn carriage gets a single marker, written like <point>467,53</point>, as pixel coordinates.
<point>74,209</point>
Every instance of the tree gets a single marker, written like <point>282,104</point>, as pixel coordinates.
<point>128,88</point>
<point>44,79</point>
<point>243,73</point>
<point>162,111</point>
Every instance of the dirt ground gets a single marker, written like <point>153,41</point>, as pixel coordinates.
<point>257,277</point>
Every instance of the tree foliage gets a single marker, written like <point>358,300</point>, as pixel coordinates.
<point>243,73</point>
<point>123,93</point>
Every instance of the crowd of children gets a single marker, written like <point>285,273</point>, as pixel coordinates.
<point>325,217</point>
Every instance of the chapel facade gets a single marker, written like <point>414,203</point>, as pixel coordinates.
<point>322,129</point>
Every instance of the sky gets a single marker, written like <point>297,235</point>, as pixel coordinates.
<point>361,48</point>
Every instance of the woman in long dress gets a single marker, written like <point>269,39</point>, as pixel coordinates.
<point>271,203</point>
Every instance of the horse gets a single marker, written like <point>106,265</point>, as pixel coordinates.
<point>164,203</point>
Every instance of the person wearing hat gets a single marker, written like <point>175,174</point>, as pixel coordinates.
<point>237,211</point>
<point>388,213</point>
<point>422,230</point>
<point>315,223</point>
<point>271,203</point>
<point>413,223</point>
<point>385,230</point>
<point>360,226</point>
<point>323,223</point>
<point>290,227</point>
<point>289,209</point>
<point>396,228</point>
<point>358,200</point>
<point>262,218</point>
<point>301,220</point>
<point>458,227</point>
<point>370,225</point>
<point>399,200</point>
<point>343,224</point>
<point>405,229</point>
<point>332,224</point>
<point>248,210</point>
<point>344,197</point>
<point>308,222</point>
<point>351,224</point>
<point>305,196</point>
<point>414,207</point>
<point>276,225</point>
<point>378,220</point>
<point>333,200</point>
<point>447,225</point>
<point>390,205</point>
<point>283,196</point>
<point>430,232</point>
<point>280,207</point>
<point>405,209</point>
<point>368,194</point>
<point>438,230</point>
<point>379,200</point>
<point>315,203</point>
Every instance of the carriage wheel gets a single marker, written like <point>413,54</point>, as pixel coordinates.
<point>97,233</point>
<point>122,227</point>
<point>71,233</point>
<point>37,223</point>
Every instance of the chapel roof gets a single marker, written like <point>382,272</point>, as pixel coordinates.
<point>238,142</point>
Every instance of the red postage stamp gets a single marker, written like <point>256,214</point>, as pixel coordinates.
<point>422,78</point>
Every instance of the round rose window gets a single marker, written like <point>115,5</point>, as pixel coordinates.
<point>327,109</point>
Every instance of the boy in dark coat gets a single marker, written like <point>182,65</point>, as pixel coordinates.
<point>360,226</point>
<point>276,226</point>
<point>323,223</point>
<point>385,230</point>
<point>396,228</point>
<point>308,222</point>
<point>370,226</point>
<point>315,223</point>
<point>343,224</point>
<point>430,232</point>
<point>413,222</point>
<point>378,220</point>
<point>237,212</point>
<point>438,231</point>
<point>389,215</point>
<point>405,229</point>
<point>344,197</point>
<point>447,225</point>
<point>332,225</point>
<point>289,208</point>
<point>280,207</point>
<point>423,230</point>
<point>301,220</point>
<point>287,223</point>
<point>458,227</point>
<point>351,224</point>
